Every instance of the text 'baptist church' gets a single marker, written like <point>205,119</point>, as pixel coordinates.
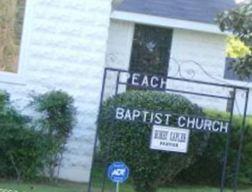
<point>168,119</point>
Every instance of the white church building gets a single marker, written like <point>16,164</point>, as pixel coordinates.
<point>66,45</point>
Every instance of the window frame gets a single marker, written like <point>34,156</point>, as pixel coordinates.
<point>17,78</point>
<point>171,31</point>
<point>229,73</point>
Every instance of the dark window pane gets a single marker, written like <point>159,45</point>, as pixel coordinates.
<point>151,50</point>
<point>230,74</point>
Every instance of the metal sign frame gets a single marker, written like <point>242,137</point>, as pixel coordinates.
<point>231,98</point>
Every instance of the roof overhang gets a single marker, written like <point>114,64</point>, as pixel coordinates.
<point>165,22</point>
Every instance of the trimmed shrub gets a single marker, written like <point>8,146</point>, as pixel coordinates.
<point>129,141</point>
<point>245,175</point>
<point>208,167</point>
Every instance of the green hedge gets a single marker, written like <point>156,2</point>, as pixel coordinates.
<point>20,147</point>
<point>129,141</point>
<point>208,167</point>
<point>30,147</point>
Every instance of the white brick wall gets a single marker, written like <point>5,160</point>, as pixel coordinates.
<point>63,47</point>
<point>118,52</point>
<point>204,48</point>
<point>199,56</point>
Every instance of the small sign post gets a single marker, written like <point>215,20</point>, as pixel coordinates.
<point>117,187</point>
<point>118,173</point>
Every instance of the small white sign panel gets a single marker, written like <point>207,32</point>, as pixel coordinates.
<point>170,139</point>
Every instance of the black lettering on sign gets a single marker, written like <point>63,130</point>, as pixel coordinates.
<point>163,143</point>
<point>161,135</point>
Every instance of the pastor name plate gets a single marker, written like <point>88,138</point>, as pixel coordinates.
<point>171,139</point>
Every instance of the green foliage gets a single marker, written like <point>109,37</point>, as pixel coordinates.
<point>243,66</point>
<point>199,172</point>
<point>58,113</point>
<point>238,21</point>
<point>129,141</point>
<point>56,123</point>
<point>27,149</point>
<point>20,147</point>
<point>245,174</point>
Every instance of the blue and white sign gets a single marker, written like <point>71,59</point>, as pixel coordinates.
<point>118,172</point>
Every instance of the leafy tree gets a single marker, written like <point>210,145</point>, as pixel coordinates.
<point>238,21</point>
<point>56,122</point>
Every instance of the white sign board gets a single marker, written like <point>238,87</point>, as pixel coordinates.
<point>172,139</point>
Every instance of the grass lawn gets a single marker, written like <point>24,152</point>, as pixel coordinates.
<point>30,187</point>
<point>62,186</point>
<point>73,187</point>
